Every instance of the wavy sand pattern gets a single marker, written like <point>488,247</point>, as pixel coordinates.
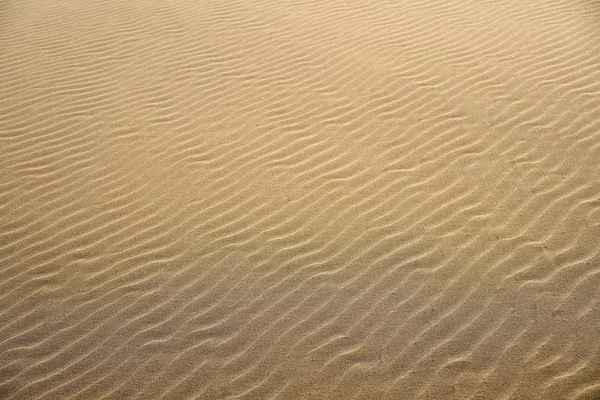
<point>300,199</point>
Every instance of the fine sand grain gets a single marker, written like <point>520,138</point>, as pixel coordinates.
<point>354,199</point>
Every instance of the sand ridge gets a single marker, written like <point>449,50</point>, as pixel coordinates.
<point>299,199</point>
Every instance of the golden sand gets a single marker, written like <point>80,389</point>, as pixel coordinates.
<point>300,199</point>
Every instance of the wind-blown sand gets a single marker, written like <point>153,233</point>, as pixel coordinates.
<point>300,199</point>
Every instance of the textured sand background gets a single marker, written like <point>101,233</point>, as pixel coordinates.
<point>300,199</point>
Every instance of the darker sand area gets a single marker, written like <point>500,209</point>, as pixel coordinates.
<point>299,199</point>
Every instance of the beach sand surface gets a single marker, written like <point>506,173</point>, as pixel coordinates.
<point>343,199</point>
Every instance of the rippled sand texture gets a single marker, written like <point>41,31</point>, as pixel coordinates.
<point>300,200</point>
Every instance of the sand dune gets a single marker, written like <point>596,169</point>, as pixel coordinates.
<point>300,199</point>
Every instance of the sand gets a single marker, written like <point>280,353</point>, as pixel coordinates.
<point>300,199</point>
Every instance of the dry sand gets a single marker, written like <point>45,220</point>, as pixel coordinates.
<point>300,199</point>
